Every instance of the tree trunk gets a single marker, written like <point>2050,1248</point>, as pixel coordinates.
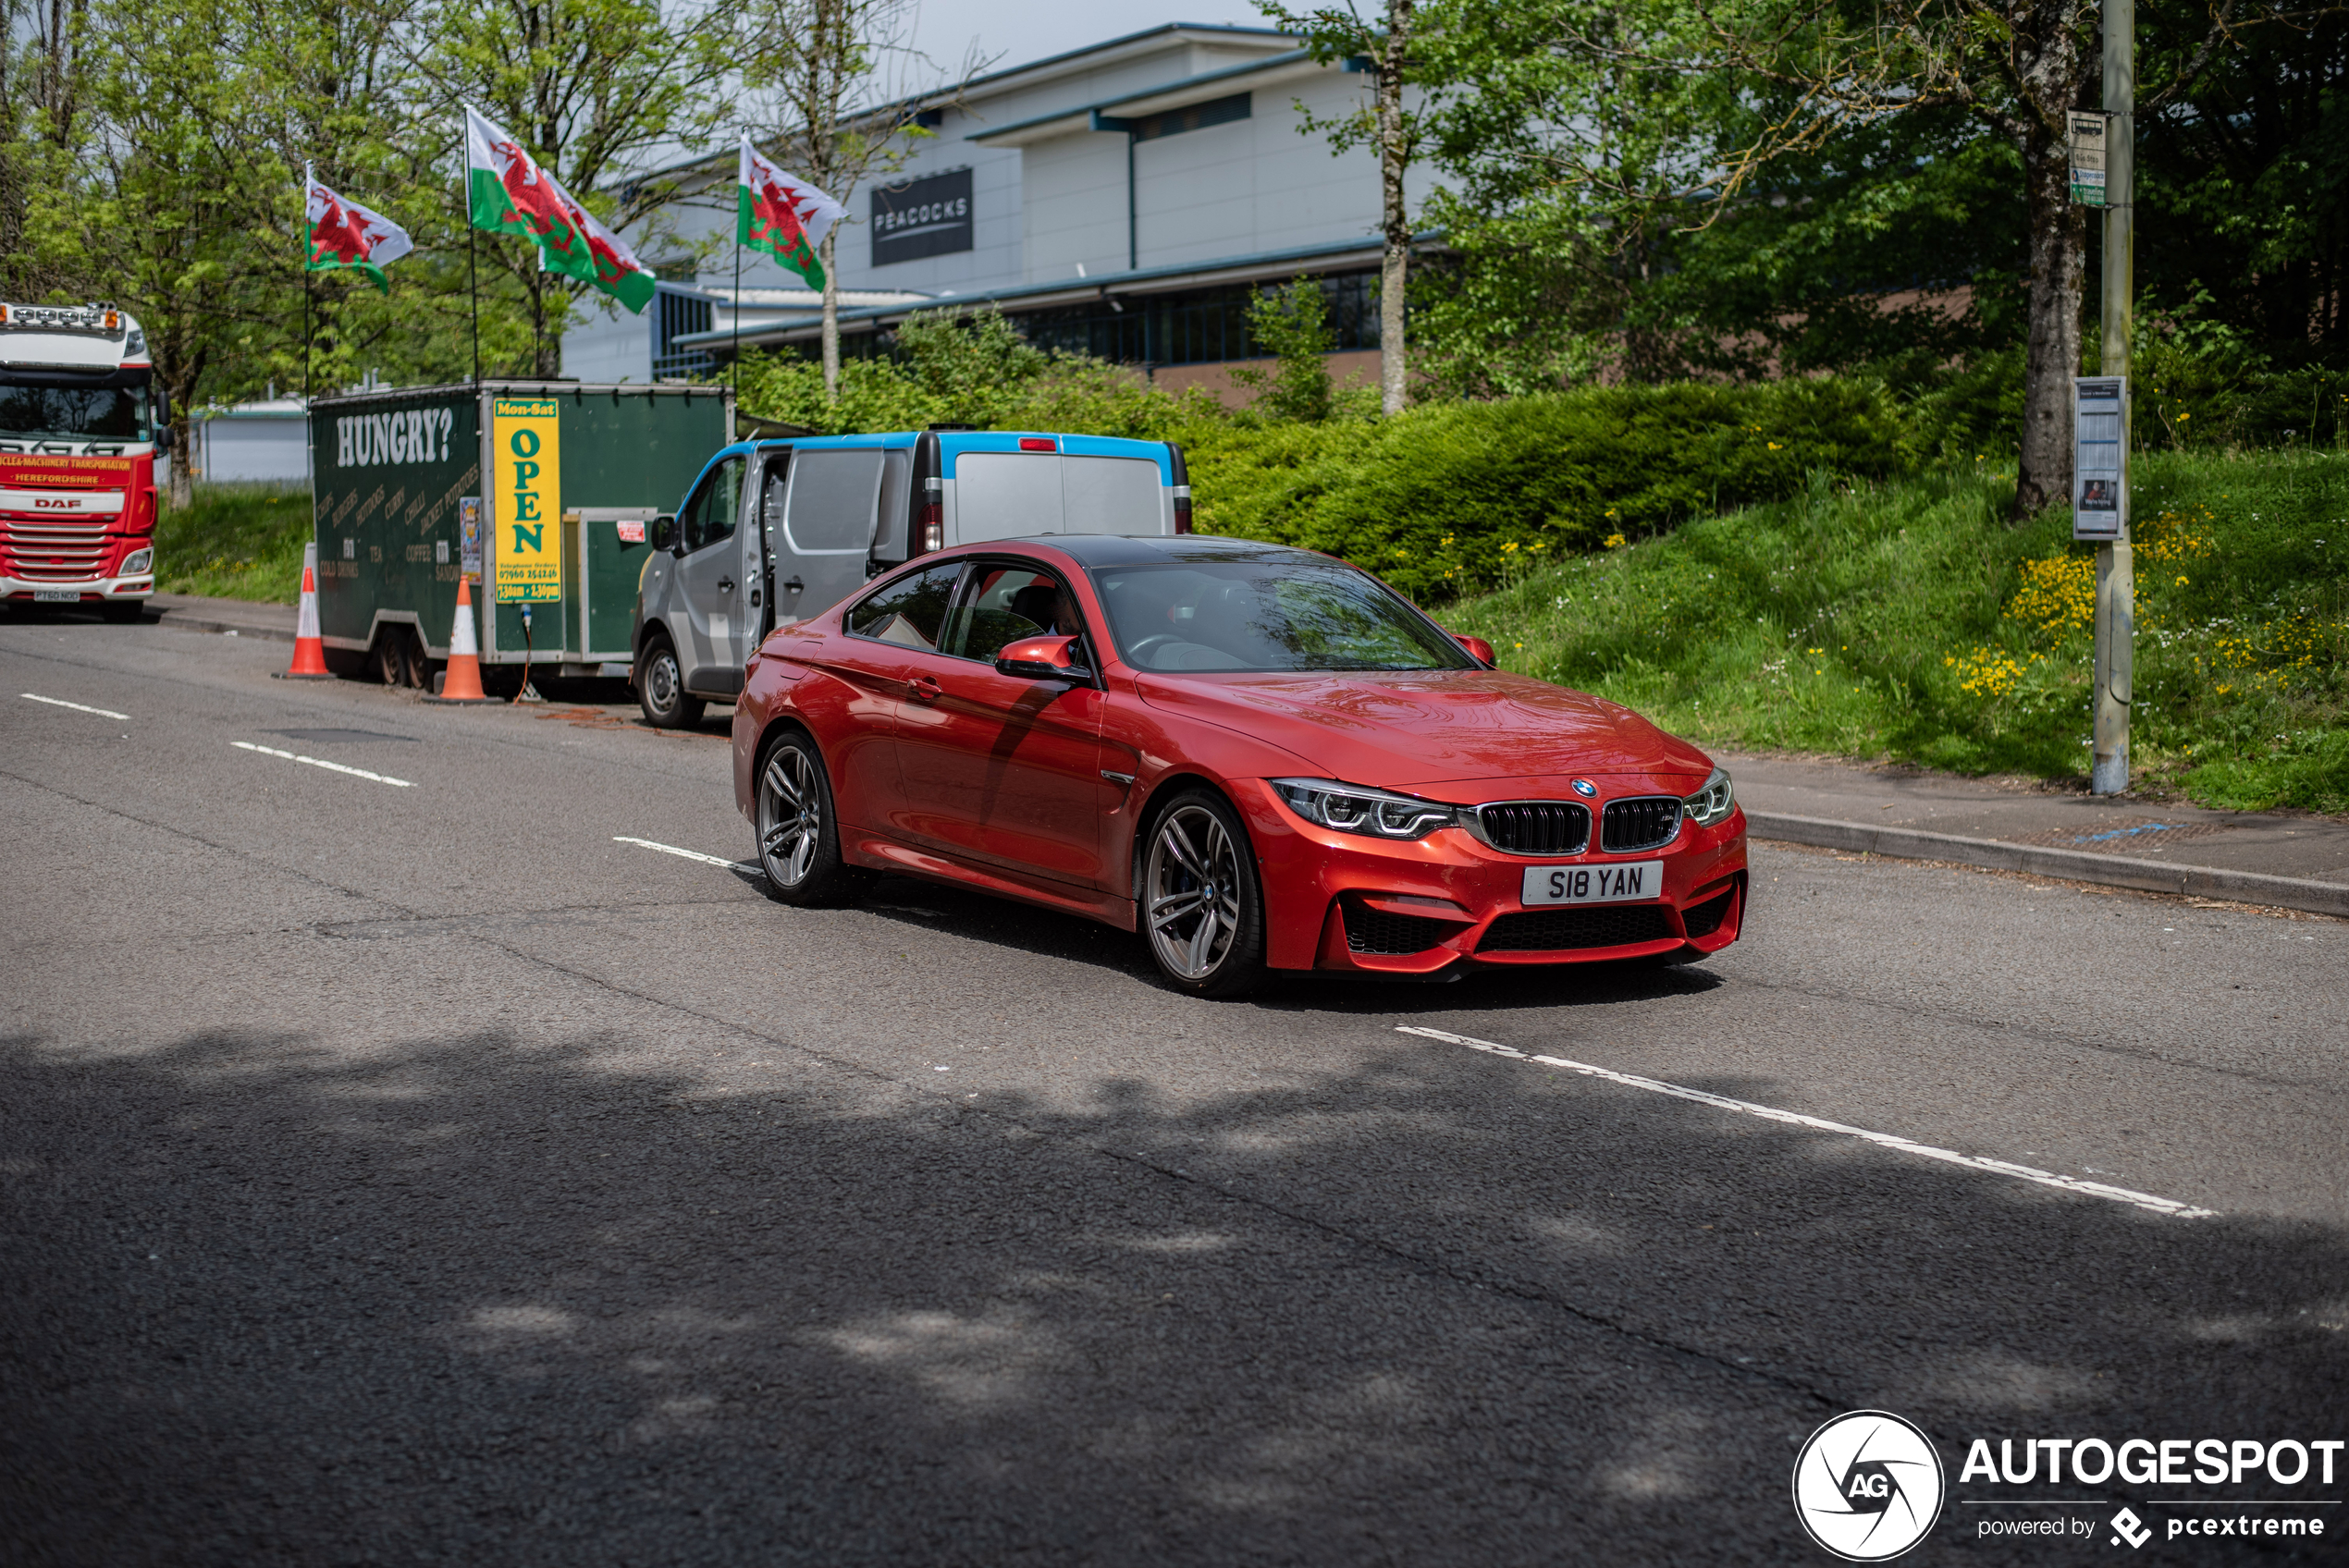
<point>180,384</point>
<point>1394,218</point>
<point>2056,258</point>
<point>832,319</point>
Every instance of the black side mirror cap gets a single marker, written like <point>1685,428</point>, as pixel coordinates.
<point>661,533</point>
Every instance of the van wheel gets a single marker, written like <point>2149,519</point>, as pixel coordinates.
<point>1202,904</point>
<point>798,834</point>
<point>660,689</point>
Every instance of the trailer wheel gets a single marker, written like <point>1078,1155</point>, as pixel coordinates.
<point>394,657</point>
<point>660,689</point>
<point>798,832</point>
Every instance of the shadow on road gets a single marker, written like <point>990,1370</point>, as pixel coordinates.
<point>475,1300</point>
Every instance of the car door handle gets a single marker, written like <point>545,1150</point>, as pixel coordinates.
<point>725,585</point>
<point>925,690</point>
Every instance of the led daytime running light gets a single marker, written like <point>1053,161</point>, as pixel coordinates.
<point>1714,803</point>
<point>1352,808</point>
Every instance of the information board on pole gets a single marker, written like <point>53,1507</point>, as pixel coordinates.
<point>469,537</point>
<point>2099,434</point>
<point>2089,137</point>
<point>526,498</point>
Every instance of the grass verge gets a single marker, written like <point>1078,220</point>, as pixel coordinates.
<point>1910,622</point>
<point>236,542</point>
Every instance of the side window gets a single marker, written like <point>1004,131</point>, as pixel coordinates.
<point>832,501</point>
<point>709,516</point>
<point>1005,603</point>
<point>910,612</point>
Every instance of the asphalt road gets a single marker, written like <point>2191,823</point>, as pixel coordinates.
<point>398,1174</point>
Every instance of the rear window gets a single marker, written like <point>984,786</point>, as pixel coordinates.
<point>910,612</point>
<point>1287,614</point>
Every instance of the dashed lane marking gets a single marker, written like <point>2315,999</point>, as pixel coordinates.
<point>685,854</point>
<point>78,708</point>
<point>318,762</point>
<point>1887,1140</point>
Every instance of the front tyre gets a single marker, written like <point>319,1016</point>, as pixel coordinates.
<point>660,689</point>
<point>1202,904</point>
<point>798,834</point>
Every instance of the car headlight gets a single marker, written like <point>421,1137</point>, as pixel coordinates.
<point>1711,803</point>
<point>136,562</point>
<point>1352,808</point>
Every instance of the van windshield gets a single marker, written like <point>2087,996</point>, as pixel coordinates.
<point>1268,615</point>
<point>73,413</point>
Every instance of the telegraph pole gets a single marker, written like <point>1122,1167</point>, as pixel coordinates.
<point>2116,570</point>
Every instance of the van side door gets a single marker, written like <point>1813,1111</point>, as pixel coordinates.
<point>709,581</point>
<point>831,503</point>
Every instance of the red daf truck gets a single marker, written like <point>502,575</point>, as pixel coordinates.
<point>81,424</point>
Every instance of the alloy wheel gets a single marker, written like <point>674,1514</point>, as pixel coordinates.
<point>791,817</point>
<point>1193,877</point>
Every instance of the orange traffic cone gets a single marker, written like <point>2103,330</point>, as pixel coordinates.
<point>463,681</point>
<point>310,650</point>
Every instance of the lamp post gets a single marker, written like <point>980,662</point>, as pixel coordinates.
<point>2116,572</point>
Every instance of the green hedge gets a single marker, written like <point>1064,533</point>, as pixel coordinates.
<point>1451,497</point>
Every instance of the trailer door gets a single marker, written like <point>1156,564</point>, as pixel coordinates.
<point>1113,495</point>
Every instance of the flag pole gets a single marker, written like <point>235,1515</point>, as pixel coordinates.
<point>734,366</point>
<point>473,293</point>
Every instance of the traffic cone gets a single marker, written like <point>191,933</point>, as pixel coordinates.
<point>310,649</point>
<point>461,683</point>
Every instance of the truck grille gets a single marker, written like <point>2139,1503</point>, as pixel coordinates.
<point>1646,823</point>
<point>1556,930</point>
<point>52,552</point>
<point>1536,827</point>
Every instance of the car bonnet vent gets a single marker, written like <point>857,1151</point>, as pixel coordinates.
<point>1536,827</point>
<point>1646,823</point>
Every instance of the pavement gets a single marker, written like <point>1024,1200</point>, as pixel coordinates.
<point>421,1141</point>
<point>243,617</point>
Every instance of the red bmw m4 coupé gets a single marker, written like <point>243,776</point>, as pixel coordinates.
<point>1262,759</point>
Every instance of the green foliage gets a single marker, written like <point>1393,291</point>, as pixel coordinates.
<point>1293,321</point>
<point>1447,498</point>
<point>1909,620</point>
<point>235,542</point>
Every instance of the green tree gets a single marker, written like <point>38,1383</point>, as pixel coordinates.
<point>1291,323</point>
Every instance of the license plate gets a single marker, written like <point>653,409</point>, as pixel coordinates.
<point>57,595</point>
<point>1593,883</point>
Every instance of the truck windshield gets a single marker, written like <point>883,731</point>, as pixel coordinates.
<point>1292,613</point>
<point>73,413</point>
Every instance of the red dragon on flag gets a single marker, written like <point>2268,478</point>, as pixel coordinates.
<point>344,234</point>
<point>509,194</point>
<point>783,216</point>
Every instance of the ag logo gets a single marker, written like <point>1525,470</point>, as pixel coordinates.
<point>1868,1486</point>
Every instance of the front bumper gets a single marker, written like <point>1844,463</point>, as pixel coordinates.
<point>97,590</point>
<point>1340,901</point>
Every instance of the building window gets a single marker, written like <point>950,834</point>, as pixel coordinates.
<point>1198,327</point>
<point>676,313</point>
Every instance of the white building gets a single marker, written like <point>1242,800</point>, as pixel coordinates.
<point>263,442</point>
<point>1122,199</point>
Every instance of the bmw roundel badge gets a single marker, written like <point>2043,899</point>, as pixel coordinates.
<point>1585,788</point>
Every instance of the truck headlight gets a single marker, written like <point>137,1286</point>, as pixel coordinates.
<point>1711,803</point>
<point>1354,808</point>
<point>136,562</point>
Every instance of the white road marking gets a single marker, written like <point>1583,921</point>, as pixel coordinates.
<point>61,703</point>
<point>1973,1162</point>
<point>330,767</point>
<point>685,854</point>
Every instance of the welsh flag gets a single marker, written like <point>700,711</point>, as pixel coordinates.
<point>509,194</point>
<point>344,234</point>
<point>783,216</point>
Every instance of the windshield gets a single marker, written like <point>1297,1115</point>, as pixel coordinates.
<point>1268,615</point>
<point>73,413</point>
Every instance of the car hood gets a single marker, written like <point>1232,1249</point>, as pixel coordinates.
<point>1421,728</point>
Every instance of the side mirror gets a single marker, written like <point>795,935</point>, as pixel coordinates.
<point>661,534</point>
<point>1478,648</point>
<point>1042,659</point>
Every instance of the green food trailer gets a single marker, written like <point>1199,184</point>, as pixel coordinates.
<point>557,533</point>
